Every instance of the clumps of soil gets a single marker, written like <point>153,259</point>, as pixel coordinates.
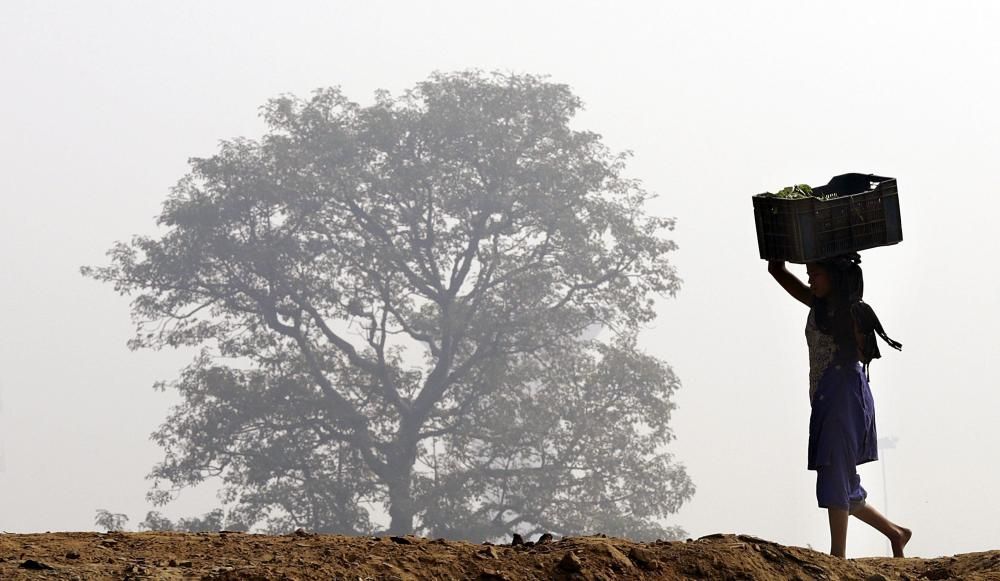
<point>304,556</point>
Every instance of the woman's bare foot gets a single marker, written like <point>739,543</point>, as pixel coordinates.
<point>899,540</point>
<point>898,536</point>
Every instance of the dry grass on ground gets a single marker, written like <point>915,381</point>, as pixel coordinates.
<point>302,556</point>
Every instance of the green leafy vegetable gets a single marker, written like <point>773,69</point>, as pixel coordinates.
<point>801,191</point>
<point>795,192</point>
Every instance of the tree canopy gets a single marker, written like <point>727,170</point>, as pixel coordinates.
<point>390,302</point>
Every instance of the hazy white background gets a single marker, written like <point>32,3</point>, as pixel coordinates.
<point>102,103</point>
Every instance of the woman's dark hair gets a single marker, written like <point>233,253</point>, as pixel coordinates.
<point>839,312</point>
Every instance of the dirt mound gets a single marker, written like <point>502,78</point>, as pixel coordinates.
<point>302,556</point>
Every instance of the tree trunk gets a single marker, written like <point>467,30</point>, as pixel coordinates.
<point>401,509</point>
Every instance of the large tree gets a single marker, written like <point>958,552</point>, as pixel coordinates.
<point>392,305</point>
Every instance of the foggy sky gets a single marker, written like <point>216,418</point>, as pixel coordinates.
<point>103,102</point>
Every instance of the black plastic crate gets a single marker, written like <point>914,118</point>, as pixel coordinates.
<point>865,214</point>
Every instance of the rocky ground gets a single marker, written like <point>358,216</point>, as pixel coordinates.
<point>226,555</point>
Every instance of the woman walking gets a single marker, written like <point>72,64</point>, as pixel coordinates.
<point>841,334</point>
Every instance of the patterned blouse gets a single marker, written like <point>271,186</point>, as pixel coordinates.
<point>822,349</point>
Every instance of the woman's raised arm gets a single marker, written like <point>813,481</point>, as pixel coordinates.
<point>790,282</point>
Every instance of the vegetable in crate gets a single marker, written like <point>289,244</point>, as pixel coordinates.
<point>802,191</point>
<point>795,192</point>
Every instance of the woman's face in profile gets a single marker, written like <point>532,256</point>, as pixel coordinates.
<point>819,280</point>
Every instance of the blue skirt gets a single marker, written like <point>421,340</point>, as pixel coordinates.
<point>842,423</point>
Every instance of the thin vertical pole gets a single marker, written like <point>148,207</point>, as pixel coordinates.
<point>884,444</point>
<point>885,500</point>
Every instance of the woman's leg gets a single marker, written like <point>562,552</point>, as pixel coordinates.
<point>838,531</point>
<point>838,489</point>
<point>898,536</point>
